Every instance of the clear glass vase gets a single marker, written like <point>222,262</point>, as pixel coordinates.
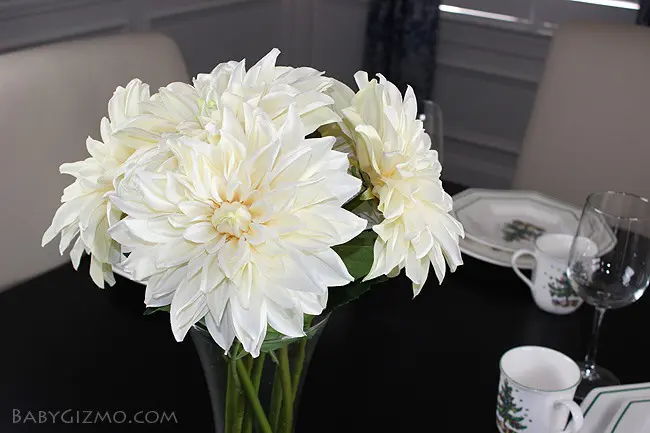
<point>257,394</point>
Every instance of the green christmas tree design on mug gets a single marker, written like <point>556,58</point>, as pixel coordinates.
<point>562,294</point>
<point>518,230</point>
<point>510,418</point>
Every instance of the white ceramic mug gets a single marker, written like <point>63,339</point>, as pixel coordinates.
<point>550,287</point>
<point>536,392</point>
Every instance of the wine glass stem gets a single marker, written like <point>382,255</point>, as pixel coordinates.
<point>590,359</point>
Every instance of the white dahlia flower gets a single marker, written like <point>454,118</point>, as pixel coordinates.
<point>86,213</point>
<point>239,233</point>
<point>197,111</point>
<point>393,151</point>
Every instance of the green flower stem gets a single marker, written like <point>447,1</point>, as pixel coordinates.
<point>300,360</point>
<point>287,391</point>
<point>244,409</point>
<point>297,369</point>
<point>258,367</point>
<point>276,400</point>
<point>256,377</point>
<point>247,427</point>
<point>238,400</point>
<point>253,399</point>
<point>231,396</point>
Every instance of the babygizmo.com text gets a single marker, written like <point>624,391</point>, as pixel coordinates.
<point>76,416</point>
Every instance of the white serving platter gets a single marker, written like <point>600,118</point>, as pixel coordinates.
<point>632,417</point>
<point>491,255</point>
<point>602,405</point>
<point>513,220</point>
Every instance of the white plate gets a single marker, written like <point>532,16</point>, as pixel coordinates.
<point>512,220</point>
<point>601,404</point>
<point>492,255</point>
<point>632,417</point>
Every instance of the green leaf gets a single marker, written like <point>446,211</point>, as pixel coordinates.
<point>339,296</point>
<point>357,254</point>
<point>275,344</point>
<point>274,340</point>
<point>151,310</point>
<point>367,195</point>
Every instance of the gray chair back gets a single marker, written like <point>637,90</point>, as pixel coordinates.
<point>51,99</point>
<point>590,126</point>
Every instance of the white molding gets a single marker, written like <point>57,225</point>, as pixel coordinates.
<point>19,8</point>
<point>492,39</point>
<point>524,27</point>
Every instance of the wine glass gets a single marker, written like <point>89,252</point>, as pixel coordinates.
<point>431,117</point>
<point>613,274</point>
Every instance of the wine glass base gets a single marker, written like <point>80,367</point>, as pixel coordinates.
<point>594,377</point>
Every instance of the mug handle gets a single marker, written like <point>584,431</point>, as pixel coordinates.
<point>576,414</point>
<point>513,262</point>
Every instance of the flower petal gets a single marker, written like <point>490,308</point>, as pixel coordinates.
<point>222,331</point>
<point>97,271</point>
<point>288,321</point>
<point>200,233</point>
<point>328,267</point>
<point>161,287</point>
<point>188,307</point>
<point>64,216</point>
<point>211,277</point>
<point>194,209</point>
<point>76,252</point>
<point>378,267</point>
<point>417,270</point>
<point>177,253</point>
<point>251,323</point>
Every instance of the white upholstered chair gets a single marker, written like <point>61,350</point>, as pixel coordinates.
<point>590,126</point>
<point>51,99</point>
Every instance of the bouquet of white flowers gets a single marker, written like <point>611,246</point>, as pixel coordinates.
<point>241,199</point>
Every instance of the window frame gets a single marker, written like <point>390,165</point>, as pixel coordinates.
<point>544,15</point>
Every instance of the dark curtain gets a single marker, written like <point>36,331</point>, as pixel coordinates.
<point>643,17</point>
<point>401,43</point>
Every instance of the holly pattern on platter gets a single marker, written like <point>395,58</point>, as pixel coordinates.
<point>518,230</point>
<point>510,418</point>
<point>562,294</point>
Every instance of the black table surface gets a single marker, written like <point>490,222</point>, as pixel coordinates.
<point>385,363</point>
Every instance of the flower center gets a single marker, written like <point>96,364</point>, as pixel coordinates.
<point>232,219</point>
